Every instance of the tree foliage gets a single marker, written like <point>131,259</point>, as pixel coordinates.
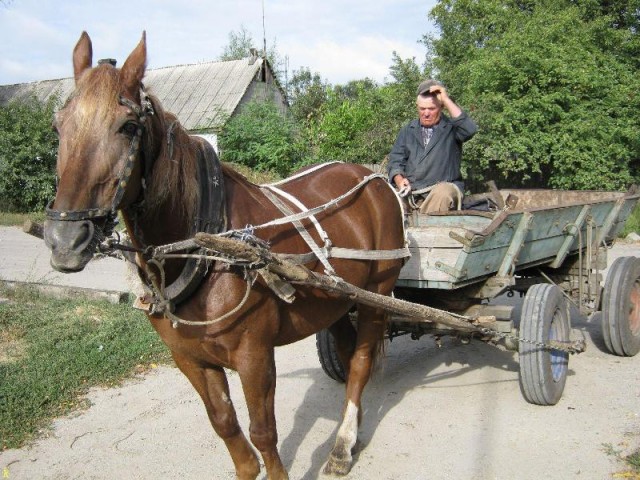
<point>550,85</point>
<point>358,121</point>
<point>261,137</point>
<point>240,45</point>
<point>28,149</point>
<point>307,93</point>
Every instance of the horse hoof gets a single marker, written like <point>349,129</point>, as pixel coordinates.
<point>337,466</point>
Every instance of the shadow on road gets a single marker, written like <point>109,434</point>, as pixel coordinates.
<point>409,365</point>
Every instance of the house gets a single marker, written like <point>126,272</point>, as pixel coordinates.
<point>203,95</point>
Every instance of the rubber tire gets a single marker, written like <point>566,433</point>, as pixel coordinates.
<point>331,364</point>
<point>543,372</point>
<point>621,307</point>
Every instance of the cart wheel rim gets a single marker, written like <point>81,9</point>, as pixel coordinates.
<point>559,359</point>
<point>634,309</point>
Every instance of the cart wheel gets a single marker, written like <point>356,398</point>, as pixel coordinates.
<point>328,356</point>
<point>621,307</point>
<point>543,372</point>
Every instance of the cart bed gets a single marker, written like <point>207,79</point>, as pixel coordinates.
<point>542,227</point>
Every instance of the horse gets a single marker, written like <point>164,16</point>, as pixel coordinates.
<point>119,151</point>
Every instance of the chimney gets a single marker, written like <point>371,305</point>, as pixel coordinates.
<point>110,61</point>
<point>254,56</point>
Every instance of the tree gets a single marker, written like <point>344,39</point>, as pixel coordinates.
<point>357,121</point>
<point>262,138</point>
<point>28,149</point>
<point>556,107</point>
<point>307,93</point>
<point>240,45</point>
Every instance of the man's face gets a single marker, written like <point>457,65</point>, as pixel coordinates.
<point>429,110</point>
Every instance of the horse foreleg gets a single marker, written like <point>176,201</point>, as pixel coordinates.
<point>259,384</point>
<point>370,332</point>
<point>212,386</point>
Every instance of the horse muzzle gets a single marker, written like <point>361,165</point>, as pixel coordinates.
<point>72,243</point>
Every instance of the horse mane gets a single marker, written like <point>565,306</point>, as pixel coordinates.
<point>96,97</point>
<point>174,153</point>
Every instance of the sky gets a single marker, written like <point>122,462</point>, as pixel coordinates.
<point>342,40</point>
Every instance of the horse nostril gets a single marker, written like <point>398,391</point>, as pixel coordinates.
<point>84,236</point>
<point>66,237</point>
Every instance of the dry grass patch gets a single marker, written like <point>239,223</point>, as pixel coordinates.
<point>12,344</point>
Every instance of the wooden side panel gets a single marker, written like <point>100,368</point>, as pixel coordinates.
<point>448,250</point>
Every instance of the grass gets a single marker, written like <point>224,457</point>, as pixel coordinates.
<point>631,461</point>
<point>633,222</point>
<point>52,351</point>
<point>9,219</point>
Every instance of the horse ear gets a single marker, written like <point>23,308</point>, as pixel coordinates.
<point>82,55</point>
<point>135,65</point>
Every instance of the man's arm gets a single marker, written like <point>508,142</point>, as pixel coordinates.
<point>443,97</point>
<point>398,161</point>
<point>465,126</point>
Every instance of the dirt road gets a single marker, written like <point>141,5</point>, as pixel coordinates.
<point>454,412</point>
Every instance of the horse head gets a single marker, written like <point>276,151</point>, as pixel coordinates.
<point>98,168</point>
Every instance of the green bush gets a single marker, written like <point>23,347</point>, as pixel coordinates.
<point>262,138</point>
<point>28,149</point>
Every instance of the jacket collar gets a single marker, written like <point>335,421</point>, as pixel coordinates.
<point>443,126</point>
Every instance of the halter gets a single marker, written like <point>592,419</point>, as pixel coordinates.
<point>142,111</point>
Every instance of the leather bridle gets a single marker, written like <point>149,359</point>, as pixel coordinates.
<point>142,111</point>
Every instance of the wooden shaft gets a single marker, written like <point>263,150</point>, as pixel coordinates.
<point>33,228</point>
<point>299,274</point>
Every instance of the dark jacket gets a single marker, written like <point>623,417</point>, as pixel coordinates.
<point>440,161</point>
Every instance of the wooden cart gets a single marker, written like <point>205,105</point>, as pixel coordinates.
<point>549,245</point>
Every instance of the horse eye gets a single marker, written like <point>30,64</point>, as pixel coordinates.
<point>129,129</point>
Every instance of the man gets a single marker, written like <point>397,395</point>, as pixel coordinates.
<point>425,160</point>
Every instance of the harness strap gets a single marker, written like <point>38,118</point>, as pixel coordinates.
<point>301,206</point>
<point>142,111</point>
<point>299,227</point>
<point>356,254</point>
<point>319,208</point>
<point>301,174</point>
<point>329,251</point>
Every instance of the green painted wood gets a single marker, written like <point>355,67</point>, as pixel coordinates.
<point>546,239</point>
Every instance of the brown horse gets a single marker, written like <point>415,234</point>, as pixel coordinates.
<point>119,151</point>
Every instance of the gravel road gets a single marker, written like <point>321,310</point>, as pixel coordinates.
<point>454,412</point>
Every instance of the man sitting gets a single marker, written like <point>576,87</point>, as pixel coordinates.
<point>425,159</point>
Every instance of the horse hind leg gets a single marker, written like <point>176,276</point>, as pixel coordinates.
<point>371,327</point>
<point>213,387</point>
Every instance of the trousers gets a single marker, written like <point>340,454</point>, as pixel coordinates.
<point>442,197</point>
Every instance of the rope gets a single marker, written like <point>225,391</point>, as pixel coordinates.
<point>175,320</point>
